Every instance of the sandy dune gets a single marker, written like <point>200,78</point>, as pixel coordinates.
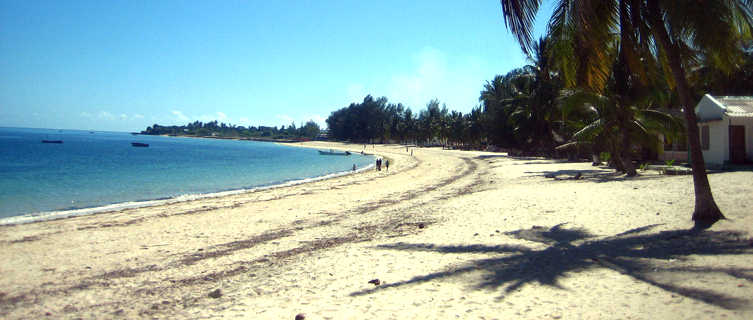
<point>449,234</point>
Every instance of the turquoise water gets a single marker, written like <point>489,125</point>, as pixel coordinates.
<point>90,170</point>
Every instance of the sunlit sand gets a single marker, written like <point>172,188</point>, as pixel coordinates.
<point>448,234</point>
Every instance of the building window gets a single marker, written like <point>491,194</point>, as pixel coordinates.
<point>705,137</point>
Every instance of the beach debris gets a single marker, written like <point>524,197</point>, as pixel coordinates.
<point>300,316</point>
<point>577,176</point>
<point>215,294</point>
<point>375,282</point>
<point>421,225</point>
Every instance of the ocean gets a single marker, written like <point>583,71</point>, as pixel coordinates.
<point>100,171</point>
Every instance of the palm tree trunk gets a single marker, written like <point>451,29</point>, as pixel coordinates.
<point>621,72</point>
<point>627,159</point>
<point>706,211</point>
<point>617,161</point>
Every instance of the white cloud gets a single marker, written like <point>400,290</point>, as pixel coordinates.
<point>86,115</point>
<point>424,83</point>
<point>284,119</point>
<point>123,116</point>
<point>137,116</point>
<point>179,116</point>
<point>455,81</point>
<point>219,116</point>
<point>105,115</point>
<point>244,121</point>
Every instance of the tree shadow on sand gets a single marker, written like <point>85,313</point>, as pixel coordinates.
<point>659,259</point>
<point>592,175</point>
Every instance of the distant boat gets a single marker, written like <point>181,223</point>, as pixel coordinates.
<point>333,153</point>
<point>139,144</point>
<point>52,141</point>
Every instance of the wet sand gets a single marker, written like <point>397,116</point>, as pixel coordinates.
<point>448,234</point>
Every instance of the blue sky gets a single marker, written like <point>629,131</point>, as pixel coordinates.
<point>125,65</point>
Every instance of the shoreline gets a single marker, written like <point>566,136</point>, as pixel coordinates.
<point>146,203</point>
<point>448,234</point>
<point>119,206</point>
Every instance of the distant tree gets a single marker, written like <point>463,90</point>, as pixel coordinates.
<point>310,129</point>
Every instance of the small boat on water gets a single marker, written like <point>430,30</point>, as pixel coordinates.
<point>52,141</point>
<point>333,153</point>
<point>139,144</point>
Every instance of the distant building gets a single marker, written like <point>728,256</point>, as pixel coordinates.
<point>323,135</point>
<point>726,129</point>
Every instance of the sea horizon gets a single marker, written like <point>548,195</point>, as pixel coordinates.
<point>99,171</point>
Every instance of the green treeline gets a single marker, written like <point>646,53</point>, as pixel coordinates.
<point>376,120</point>
<point>540,109</point>
<point>310,130</point>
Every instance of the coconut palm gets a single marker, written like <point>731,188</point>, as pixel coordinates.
<point>603,130</point>
<point>495,117</point>
<point>522,103</point>
<point>678,30</point>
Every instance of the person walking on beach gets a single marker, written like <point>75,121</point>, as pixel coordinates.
<point>379,164</point>
<point>387,165</point>
<point>354,167</point>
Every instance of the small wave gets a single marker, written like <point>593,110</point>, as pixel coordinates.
<point>61,214</point>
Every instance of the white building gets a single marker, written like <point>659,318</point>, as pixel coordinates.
<point>726,128</point>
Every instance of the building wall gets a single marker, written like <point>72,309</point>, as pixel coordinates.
<point>679,156</point>
<point>748,123</point>
<point>718,151</point>
<point>708,108</point>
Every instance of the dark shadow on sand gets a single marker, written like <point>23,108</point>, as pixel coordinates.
<point>660,259</point>
<point>592,175</point>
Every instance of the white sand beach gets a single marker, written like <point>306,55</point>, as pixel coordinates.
<point>448,234</point>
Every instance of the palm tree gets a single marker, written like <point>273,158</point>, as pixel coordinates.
<point>604,130</point>
<point>679,31</point>
<point>538,91</point>
<point>494,116</point>
<point>522,104</point>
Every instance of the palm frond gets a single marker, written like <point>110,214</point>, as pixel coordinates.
<point>519,18</point>
<point>589,131</point>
